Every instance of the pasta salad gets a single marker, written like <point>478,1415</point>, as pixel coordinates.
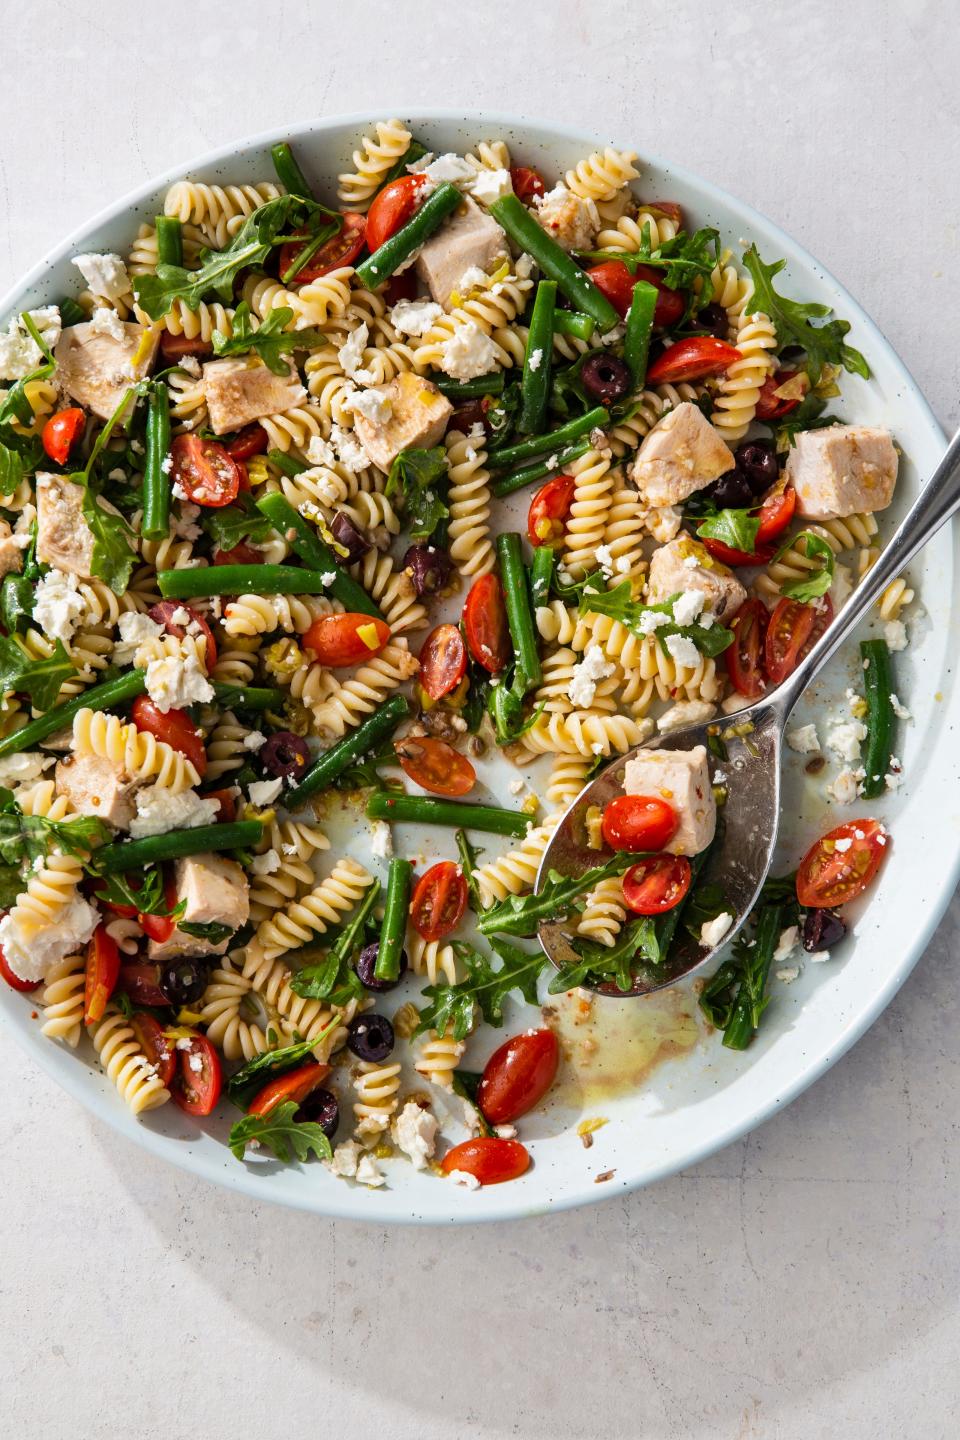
<point>311,506</point>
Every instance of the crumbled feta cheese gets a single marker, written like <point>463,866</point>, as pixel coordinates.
<point>683,651</point>
<point>536,359</point>
<point>159,811</point>
<point>30,954</point>
<point>351,351</point>
<point>414,317</point>
<point>327,577</point>
<point>845,787</point>
<point>415,1131</point>
<point>381,840</point>
<point>895,634</point>
<point>651,620</point>
<point>468,353</point>
<point>135,629</point>
<point>320,451</point>
<point>346,1157</point>
<point>663,524</point>
<point>787,942</point>
<point>901,711</point>
<point>893,779</point>
<point>605,560</point>
<point>184,524</point>
<point>24,768</point>
<point>369,1173</point>
<point>842,845</point>
<point>818,957</point>
<point>191,364</point>
<point>846,738</point>
<point>254,741</point>
<point>177,681</point>
<point>571,221</point>
<point>804,740</point>
<point>445,167</point>
<point>105,321</point>
<point>106,275</point>
<point>688,606</point>
<point>583,682</point>
<point>516,786</point>
<point>350,452</point>
<point>464,1178</point>
<point>506,1132</point>
<point>266,864</point>
<point>264,792</point>
<point>373,405</point>
<point>788,974</point>
<point>19,352</point>
<point>685,712</point>
<point>491,185</point>
<point>691,562</point>
<point>713,931</point>
<point>58,605</point>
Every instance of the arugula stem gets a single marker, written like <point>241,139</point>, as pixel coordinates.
<point>304,256</point>
<point>468,864</point>
<point>749,1003</point>
<point>424,810</point>
<point>394,924</point>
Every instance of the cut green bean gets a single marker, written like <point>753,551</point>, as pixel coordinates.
<point>341,756</point>
<point>554,440</point>
<point>424,810</point>
<point>537,360</point>
<point>575,323</point>
<point>526,475</point>
<point>70,312</point>
<point>471,389</point>
<point>241,580</point>
<point>636,342</point>
<point>98,697</point>
<point>878,687</point>
<point>379,266</point>
<point>135,854</point>
<point>316,554</point>
<point>169,240</point>
<point>554,261</point>
<point>157,487</point>
<point>541,575</point>
<point>289,174</point>
<point>286,464</point>
<point>528,672</point>
<point>249,697</point>
<point>394,924</point>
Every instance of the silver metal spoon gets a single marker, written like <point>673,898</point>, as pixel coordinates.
<point>753,736</point>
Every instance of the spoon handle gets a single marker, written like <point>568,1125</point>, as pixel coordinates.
<point>938,500</point>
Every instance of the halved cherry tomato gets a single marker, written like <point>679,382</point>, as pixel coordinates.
<point>527,182</point>
<point>518,1075</point>
<point>173,726</point>
<point>435,765</point>
<point>163,614</point>
<point>485,621</point>
<point>242,554</point>
<point>60,433</point>
<point>549,508</point>
<point>638,822</point>
<point>393,207</point>
<point>174,347</point>
<point>348,639</point>
<point>438,901</point>
<point>793,631</point>
<point>443,661</point>
<point>140,980</point>
<point>206,473</point>
<point>251,440</point>
<point>489,1158</point>
<point>770,406</point>
<point>341,249</point>
<point>161,927</point>
<point>693,359</point>
<point>102,973</point>
<point>841,864</point>
<point>616,281</point>
<point>744,658</point>
<point>401,287</point>
<point>13,979</point>
<point>228,806</point>
<point>155,1045</point>
<point>295,1085</point>
<point>776,512</point>
<point>199,1079</point>
<point>656,884</point>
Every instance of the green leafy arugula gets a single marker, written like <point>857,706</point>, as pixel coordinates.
<point>420,479</point>
<point>736,528</point>
<point>335,971</point>
<point>113,555</point>
<point>684,259</point>
<point>619,604</point>
<point>29,837</point>
<point>466,1084</point>
<point>12,884</point>
<point>468,864</point>
<point>818,582</point>
<point>250,1079</point>
<point>212,931</point>
<point>40,679</point>
<point>735,998</point>
<point>147,896</point>
<point>19,453</point>
<point>505,708</point>
<point>824,344</point>
<point>270,339</point>
<point>282,1133</point>
<point>231,524</point>
<point>807,416</point>
<point>521,914</point>
<point>484,989</point>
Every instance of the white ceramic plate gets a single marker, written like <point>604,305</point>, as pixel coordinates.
<point>698,1101</point>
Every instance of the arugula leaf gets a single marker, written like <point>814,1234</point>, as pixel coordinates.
<point>521,914</point>
<point>572,592</point>
<point>212,930</point>
<point>148,898</point>
<point>12,884</point>
<point>14,404</point>
<point>818,582</point>
<point>315,982</point>
<point>113,556</point>
<point>779,889</point>
<point>270,340</point>
<point>280,1130</point>
<point>420,478</point>
<point>11,469</point>
<point>40,679</point>
<point>807,416</point>
<point>823,344</point>
<point>468,864</point>
<point>478,696</point>
<point>705,903</point>
<point>505,708</point>
<point>484,989</point>
<point>16,602</point>
<point>683,259</point>
<point>619,604</point>
<point>735,998</point>
<point>242,520</point>
<point>466,1084</point>
<point>29,837</point>
<point>736,528</point>
<point>251,1077</point>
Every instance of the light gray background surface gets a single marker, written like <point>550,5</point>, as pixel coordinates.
<point>804,1282</point>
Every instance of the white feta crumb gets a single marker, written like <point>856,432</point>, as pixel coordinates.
<point>684,712</point>
<point>895,634</point>
<point>445,167</point>
<point>651,620</point>
<point>491,185</point>
<point>266,864</point>
<point>605,560</point>
<point>369,1173</point>
<point>414,317</point>
<point>31,954</point>
<point>506,1132</point>
<point>176,681</point>
<point>351,351</point>
<point>901,711</point>
<point>58,605</point>
<point>464,1178</point>
<point>345,1159</point>
<point>320,451</point>
<point>788,974</point>
<point>191,364</point>
<point>350,452</point>
<point>254,740</point>
<point>787,942</point>
<point>846,738</point>
<point>106,275</point>
<point>713,931</point>
<point>263,792</point>
<point>683,651</point>
<point>516,786</point>
<point>373,405</point>
<point>688,606</point>
<point>843,790</point>
<point>893,779</point>
<point>24,768</point>
<point>105,321</point>
<point>381,840</point>
<point>804,740</point>
<point>842,845</point>
<point>818,957</point>
<point>415,1131</point>
<point>19,352</point>
<point>536,359</point>
<point>691,562</point>
<point>583,681</point>
<point>159,811</point>
<point>468,353</point>
<point>135,629</point>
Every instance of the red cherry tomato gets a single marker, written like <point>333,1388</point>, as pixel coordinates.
<point>228,806</point>
<point>656,884</point>
<point>527,182</point>
<point>776,512</point>
<point>102,973</point>
<point>341,249</point>
<point>443,661</point>
<point>401,287</point>
<point>518,1075</point>
<point>693,359</point>
<point>206,473</point>
<point>793,631</point>
<point>744,658</point>
<point>163,614</point>
<point>13,979</point>
<point>549,508</point>
<point>336,639</point>
<point>834,871</point>
<point>251,440</point>
<point>392,208</point>
<point>173,726</point>
<point>141,982</point>
<point>60,432</point>
<point>174,347</point>
<point>199,1079</point>
<point>770,405</point>
<point>638,822</point>
<point>435,765</point>
<point>439,900</point>
<point>161,927</point>
<point>485,621</point>
<point>616,281</point>
<point>490,1159</point>
<point>242,554</point>
<point>295,1085</point>
<point>155,1045</point>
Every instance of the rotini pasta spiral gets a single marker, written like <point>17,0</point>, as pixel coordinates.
<point>259,614</point>
<point>602,174</point>
<point>515,872</point>
<point>221,1012</point>
<point>315,912</point>
<point>431,958</point>
<point>377,1088</point>
<point>438,1057</point>
<point>137,1081</point>
<point>374,157</point>
<point>62,1000</point>
<point>589,511</point>
<point>584,733</point>
<point>217,210</point>
<point>631,230</point>
<point>738,390</point>
<point>392,589</point>
<point>604,912</point>
<point>270,980</point>
<point>469,501</point>
<point>568,775</point>
<point>365,690</point>
<point>141,755</point>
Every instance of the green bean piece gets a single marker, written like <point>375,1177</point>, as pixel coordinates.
<point>286,464</point>
<point>316,554</point>
<point>878,687</point>
<point>575,323</point>
<point>341,756</point>
<point>248,697</point>
<point>537,361</point>
<point>169,240</point>
<point>157,487</point>
<point>526,475</point>
<point>394,924</point>
<point>636,342</point>
<point>242,580</point>
<point>554,261</point>
<point>70,312</point>
<point>541,575</point>
<point>748,1005</point>
<point>528,672</point>
<point>289,174</point>
<point>135,854</point>
<point>424,810</point>
<point>98,697</point>
<point>379,266</point>
<point>553,440</point>
<point>471,389</point>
